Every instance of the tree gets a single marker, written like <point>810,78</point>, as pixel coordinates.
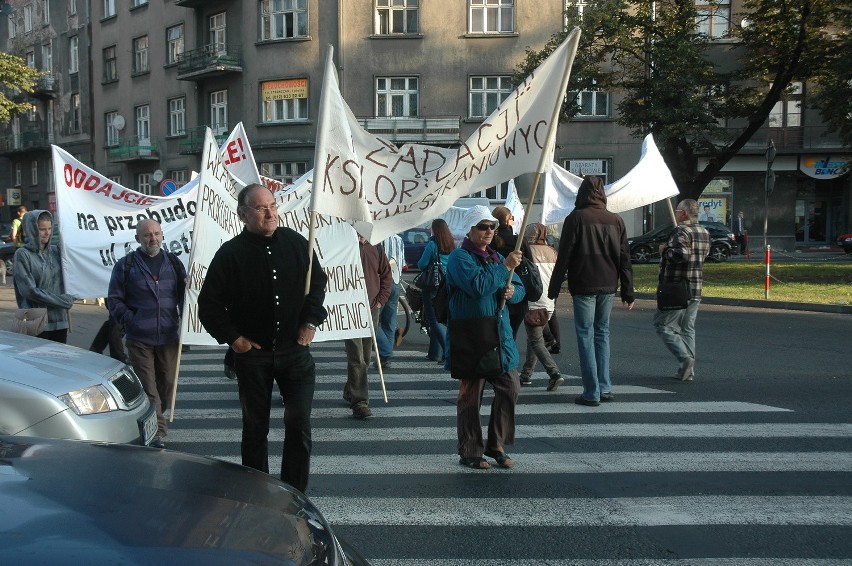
<point>699,98</point>
<point>17,80</point>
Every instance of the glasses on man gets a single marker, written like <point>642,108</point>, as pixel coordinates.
<point>263,209</point>
<point>485,227</point>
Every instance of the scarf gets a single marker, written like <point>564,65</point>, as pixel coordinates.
<point>487,253</point>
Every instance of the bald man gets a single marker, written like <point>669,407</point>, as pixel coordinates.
<point>146,297</point>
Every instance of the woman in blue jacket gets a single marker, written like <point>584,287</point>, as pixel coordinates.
<point>477,279</point>
<point>438,249</point>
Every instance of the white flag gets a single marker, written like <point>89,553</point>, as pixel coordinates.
<point>648,182</point>
<point>385,189</point>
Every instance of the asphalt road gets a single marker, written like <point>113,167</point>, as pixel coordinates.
<point>749,464</point>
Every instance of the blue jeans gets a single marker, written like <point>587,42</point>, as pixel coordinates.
<point>677,329</point>
<point>386,329</point>
<point>437,331</point>
<point>591,322</point>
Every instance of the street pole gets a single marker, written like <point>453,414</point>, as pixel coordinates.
<point>768,186</point>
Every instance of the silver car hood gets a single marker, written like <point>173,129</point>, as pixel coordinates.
<point>50,366</point>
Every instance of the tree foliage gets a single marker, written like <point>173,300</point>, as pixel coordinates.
<point>17,80</point>
<point>698,97</point>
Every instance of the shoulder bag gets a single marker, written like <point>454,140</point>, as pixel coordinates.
<point>528,272</point>
<point>30,321</point>
<point>672,295</point>
<point>536,317</point>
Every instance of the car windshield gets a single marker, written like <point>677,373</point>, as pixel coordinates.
<point>659,231</point>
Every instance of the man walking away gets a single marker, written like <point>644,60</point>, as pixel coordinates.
<point>683,256</point>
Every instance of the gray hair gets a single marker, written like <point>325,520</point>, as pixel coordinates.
<point>690,206</point>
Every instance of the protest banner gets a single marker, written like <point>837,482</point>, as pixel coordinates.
<point>386,189</point>
<point>216,221</point>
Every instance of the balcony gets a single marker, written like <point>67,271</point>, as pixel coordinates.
<point>45,87</point>
<point>25,142</point>
<point>444,130</point>
<point>193,144</point>
<point>802,139</point>
<point>191,3</point>
<point>133,149</point>
<point>211,60</point>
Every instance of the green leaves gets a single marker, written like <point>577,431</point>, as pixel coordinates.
<point>17,80</point>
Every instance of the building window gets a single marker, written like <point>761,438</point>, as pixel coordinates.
<point>492,16</point>
<point>111,130</point>
<point>219,112</point>
<point>19,176</point>
<point>28,18</point>
<point>109,8</point>
<point>115,179</point>
<point>486,94</point>
<point>497,192</point>
<point>397,97</point>
<point>397,17</point>
<point>29,57</point>
<point>280,19</point>
<point>13,27</point>
<point>787,112</point>
<point>179,176</point>
<point>74,122</point>
<point>583,167</point>
<point>110,64</point>
<point>73,54</point>
<point>218,33</point>
<point>284,171</point>
<point>177,116</point>
<point>143,124</point>
<point>174,43</point>
<point>34,172</point>
<point>137,3</point>
<point>140,54</point>
<point>31,113</point>
<point>46,13</point>
<point>47,57</point>
<point>284,100</point>
<point>713,19</point>
<point>72,7</point>
<point>592,103</point>
<point>143,183</point>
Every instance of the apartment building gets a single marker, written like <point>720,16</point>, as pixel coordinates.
<point>156,73</point>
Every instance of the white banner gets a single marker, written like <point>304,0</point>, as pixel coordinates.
<point>97,223</point>
<point>238,157</point>
<point>648,182</point>
<point>216,221</point>
<point>362,177</point>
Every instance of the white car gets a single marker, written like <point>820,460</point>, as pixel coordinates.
<point>53,390</point>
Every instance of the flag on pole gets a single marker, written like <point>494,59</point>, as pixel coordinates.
<point>648,182</point>
<point>384,189</point>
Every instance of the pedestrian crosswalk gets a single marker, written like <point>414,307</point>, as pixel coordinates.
<point>656,477</point>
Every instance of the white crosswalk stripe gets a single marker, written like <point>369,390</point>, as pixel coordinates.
<point>412,480</point>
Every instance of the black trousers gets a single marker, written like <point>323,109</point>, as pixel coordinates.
<point>293,370</point>
<point>112,335</point>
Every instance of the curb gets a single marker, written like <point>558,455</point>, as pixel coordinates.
<point>762,304</point>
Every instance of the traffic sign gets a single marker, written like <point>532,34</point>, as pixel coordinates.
<point>167,187</point>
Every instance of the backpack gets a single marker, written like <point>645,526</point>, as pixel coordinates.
<point>531,278</point>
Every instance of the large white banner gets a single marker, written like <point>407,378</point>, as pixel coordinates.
<point>336,246</point>
<point>362,177</point>
<point>97,223</point>
<point>648,182</point>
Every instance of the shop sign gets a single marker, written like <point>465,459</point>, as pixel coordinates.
<point>823,167</point>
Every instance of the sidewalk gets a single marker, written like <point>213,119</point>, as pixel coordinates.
<point>86,319</point>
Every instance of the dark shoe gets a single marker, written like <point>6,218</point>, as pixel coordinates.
<point>384,361</point>
<point>580,400</point>
<point>526,379</point>
<point>607,397</point>
<point>555,349</point>
<point>503,459</point>
<point>686,369</point>
<point>555,381</point>
<point>476,463</point>
<point>157,442</point>
<point>361,412</point>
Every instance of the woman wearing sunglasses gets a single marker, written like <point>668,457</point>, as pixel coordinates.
<point>477,279</point>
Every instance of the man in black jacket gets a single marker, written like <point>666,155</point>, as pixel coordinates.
<point>253,299</point>
<point>594,255</point>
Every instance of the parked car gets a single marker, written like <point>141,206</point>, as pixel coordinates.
<point>646,247</point>
<point>414,241</point>
<point>845,242</point>
<point>73,502</point>
<point>58,391</point>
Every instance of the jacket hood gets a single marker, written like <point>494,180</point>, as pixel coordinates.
<point>591,193</point>
<point>536,234</point>
<point>29,225</point>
